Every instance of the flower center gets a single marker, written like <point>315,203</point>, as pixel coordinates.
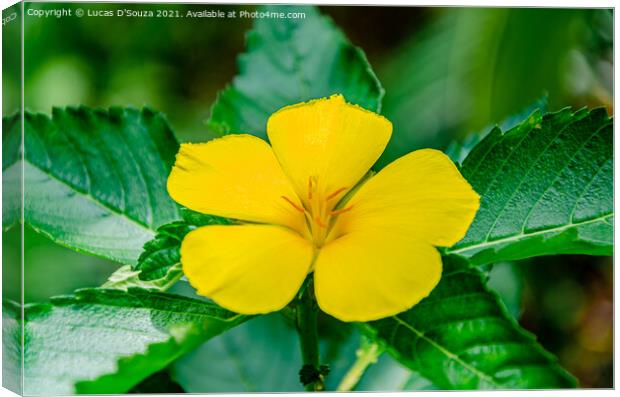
<point>319,210</point>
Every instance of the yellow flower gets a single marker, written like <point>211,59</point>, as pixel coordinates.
<point>305,206</point>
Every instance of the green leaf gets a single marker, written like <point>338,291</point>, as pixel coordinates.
<point>11,171</point>
<point>12,347</point>
<point>261,355</point>
<point>235,361</point>
<point>461,337</point>
<point>127,277</point>
<point>163,252</point>
<point>95,180</point>
<point>194,218</point>
<point>159,265</point>
<point>546,188</point>
<point>107,341</point>
<point>459,149</point>
<point>347,351</point>
<point>289,61</point>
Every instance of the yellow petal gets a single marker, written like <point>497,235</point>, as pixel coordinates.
<point>329,140</point>
<point>236,176</point>
<point>421,195</point>
<point>364,276</point>
<point>248,269</point>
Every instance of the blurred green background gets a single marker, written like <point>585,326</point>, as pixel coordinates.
<point>446,71</point>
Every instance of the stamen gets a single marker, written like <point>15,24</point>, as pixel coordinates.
<point>337,192</point>
<point>341,211</point>
<point>310,188</point>
<point>318,222</point>
<point>298,208</point>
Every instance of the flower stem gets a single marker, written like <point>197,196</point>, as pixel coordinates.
<point>312,373</point>
<point>367,355</point>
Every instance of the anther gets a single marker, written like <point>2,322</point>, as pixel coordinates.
<point>341,211</point>
<point>337,192</point>
<point>298,208</point>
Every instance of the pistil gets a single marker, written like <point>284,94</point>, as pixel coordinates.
<point>319,210</point>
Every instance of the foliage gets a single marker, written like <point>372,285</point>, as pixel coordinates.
<point>95,182</point>
<point>292,61</point>
<point>459,149</point>
<point>461,337</point>
<point>94,179</point>
<point>488,74</point>
<point>107,341</point>
<point>546,188</point>
<point>159,265</point>
<point>235,361</point>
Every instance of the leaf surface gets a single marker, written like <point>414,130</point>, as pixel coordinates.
<point>261,355</point>
<point>159,265</point>
<point>107,341</point>
<point>288,61</point>
<point>461,337</point>
<point>11,171</point>
<point>546,188</point>
<point>95,180</point>
<point>458,149</point>
<point>12,351</point>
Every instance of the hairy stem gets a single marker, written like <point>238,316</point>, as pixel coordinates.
<point>311,374</point>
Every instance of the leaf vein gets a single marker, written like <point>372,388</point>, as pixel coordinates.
<point>525,177</point>
<point>519,236</point>
<point>447,353</point>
